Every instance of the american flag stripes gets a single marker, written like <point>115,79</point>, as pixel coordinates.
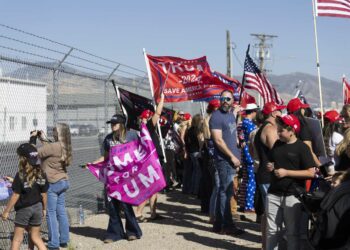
<point>256,80</point>
<point>333,8</point>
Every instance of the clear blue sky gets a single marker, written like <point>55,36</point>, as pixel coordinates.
<point>120,29</point>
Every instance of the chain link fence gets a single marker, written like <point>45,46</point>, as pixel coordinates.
<point>43,82</point>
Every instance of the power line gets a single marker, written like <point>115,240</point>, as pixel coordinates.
<point>262,47</point>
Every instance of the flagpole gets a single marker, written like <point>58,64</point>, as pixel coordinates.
<point>318,61</point>
<point>343,85</point>
<point>202,108</point>
<point>240,94</point>
<point>154,102</point>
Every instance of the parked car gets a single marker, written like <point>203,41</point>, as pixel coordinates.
<point>102,130</point>
<point>74,129</point>
<point>87,130</point>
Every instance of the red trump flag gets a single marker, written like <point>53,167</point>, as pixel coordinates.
<point>346,91</point>
<point>182,79</point>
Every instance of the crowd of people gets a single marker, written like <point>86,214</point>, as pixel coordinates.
<point>234,159</point>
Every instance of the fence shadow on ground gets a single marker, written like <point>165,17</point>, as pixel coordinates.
<point>91,232</point>
<point>210,242</point>
<point>184,216</point>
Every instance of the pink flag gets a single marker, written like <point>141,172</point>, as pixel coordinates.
<point>132,173</point>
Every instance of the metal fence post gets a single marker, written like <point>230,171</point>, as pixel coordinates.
<point>55,91</point>
<point>106,94</point>
<point>105,105</point>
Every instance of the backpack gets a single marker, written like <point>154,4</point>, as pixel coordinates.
<point>329,229</point>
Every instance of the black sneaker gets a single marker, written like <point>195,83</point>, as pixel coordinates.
<point>64,245</point>
<point>234,231</point>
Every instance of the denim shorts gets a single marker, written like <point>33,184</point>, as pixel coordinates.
<point>30,216</point>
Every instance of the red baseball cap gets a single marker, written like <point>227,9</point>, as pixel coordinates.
<point>291,120</point>
<point>295,104</point>
<point>269,107</point>
<point>332,116</point>
<point>213,104</point>
<point>187,116</point>
<point>146,114</point>
<point>163,121</point>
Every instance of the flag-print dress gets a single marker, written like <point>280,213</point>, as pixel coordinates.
<point>248,181</point>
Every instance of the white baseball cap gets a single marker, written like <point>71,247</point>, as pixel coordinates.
<point>251,106</point>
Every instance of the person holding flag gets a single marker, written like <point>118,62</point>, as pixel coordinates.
<point>151,119</point>
<point>115,230</point>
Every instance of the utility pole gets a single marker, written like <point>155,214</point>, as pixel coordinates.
<point>263,53</point>
<point>228,53</point>
<point>263,49</point>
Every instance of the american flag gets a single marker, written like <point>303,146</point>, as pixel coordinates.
<point>335,8</point>
<point>255,79</point>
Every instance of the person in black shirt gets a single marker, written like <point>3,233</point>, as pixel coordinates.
<point>151,119</point>
<point>29,197</point>
<point>297,108</point>
<point>194,142</point>
<point>290,163</point>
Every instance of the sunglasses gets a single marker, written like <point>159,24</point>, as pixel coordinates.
<point>225,99</point>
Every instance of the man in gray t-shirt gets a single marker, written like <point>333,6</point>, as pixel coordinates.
<point>226,123</point>
<point>222,126</point>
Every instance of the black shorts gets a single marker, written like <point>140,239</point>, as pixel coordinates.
<point>30,216</point>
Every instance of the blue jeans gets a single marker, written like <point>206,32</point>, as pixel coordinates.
<point>115,230</point>
<point>223,216</point>
<point>57,220</point>
<point>214,194</point>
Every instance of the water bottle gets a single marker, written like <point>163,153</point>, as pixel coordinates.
<point>81,215</point>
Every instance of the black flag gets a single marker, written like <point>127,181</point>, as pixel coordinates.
<point>134,105</point>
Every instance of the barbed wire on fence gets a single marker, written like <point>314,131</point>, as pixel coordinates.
<point>43,82</point>
<point>77,60</point>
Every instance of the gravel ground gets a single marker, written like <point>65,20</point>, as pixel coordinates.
<point>182,227</point>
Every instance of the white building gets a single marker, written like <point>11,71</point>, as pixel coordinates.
<point>23,105</point>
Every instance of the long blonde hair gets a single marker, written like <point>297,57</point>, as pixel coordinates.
<point>64,138</point>
<point>27,172</point>
<point>121,133</point>
<point>344,145</point>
